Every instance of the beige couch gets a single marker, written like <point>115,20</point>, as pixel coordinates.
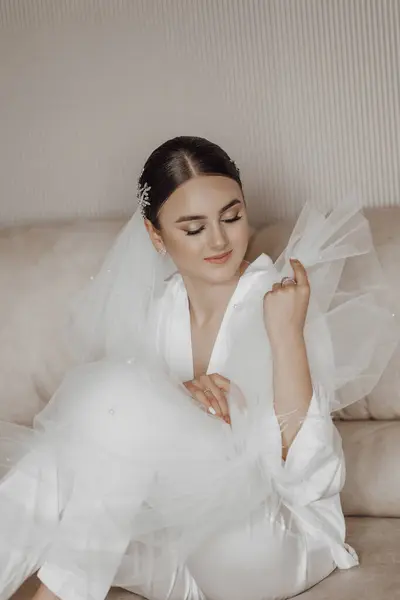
<point>41,266</point>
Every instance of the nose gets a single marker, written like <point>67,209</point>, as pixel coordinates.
<point>218,238</point>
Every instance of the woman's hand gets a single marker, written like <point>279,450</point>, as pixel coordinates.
<point>285,306</point>
<point>211,391</point>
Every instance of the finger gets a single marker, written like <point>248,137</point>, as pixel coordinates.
<point>213,395</point>
<point>208,400</point>
<point>204,400</point>
<point>212,402</point>
<point>224,385</point>
<point>276,287</point>
<point>287,282</point>
<point>219,395</point>
<point>189,386</point>
<point>300,273</point>
<point>221,381</point>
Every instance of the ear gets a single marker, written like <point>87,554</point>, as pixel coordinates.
<point>154,235</point>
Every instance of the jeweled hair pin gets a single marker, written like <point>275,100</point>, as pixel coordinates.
<point>235,165</point>
<point>143,197</point>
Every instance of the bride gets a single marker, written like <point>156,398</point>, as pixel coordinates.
<point>191,454</point>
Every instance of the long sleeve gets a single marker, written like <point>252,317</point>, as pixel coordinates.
<point>314,467</point>
<point>311,478</point>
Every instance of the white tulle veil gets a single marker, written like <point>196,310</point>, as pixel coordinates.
<point>111,316</point>
<point>350,305</point>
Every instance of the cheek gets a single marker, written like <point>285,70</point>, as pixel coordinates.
<point>183,247</point>
<point>240,235</point>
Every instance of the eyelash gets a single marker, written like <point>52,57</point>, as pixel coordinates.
<point>237,218</point>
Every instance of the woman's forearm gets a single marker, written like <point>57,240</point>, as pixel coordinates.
<point>292,386</point>
<point>43,593</point>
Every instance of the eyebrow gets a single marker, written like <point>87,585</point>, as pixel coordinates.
<point>186,218</point>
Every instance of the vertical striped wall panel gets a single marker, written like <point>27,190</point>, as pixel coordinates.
<point>304,94</point>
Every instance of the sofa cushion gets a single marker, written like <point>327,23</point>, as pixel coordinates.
<point>372,450</point>
<point>41,268</point>
<point>384,401</point>
<point>377,542</point>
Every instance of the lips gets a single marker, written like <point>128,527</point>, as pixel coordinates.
<point>220,258</point>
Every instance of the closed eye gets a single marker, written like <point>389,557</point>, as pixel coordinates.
<point>197,231</point>
<point>236,218</point>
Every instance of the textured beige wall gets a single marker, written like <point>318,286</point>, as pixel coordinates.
<point>304,94</point>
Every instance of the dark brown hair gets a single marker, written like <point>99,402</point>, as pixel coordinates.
<point>175,162</point>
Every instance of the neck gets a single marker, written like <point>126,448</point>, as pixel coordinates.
<point>208,300</point>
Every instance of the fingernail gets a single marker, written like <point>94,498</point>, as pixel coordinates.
<point>227,420</point>
<point>212,410</point>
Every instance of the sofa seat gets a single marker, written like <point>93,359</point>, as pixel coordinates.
<point>377,542</point>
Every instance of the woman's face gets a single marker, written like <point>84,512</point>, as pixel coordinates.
<point>203,219</point>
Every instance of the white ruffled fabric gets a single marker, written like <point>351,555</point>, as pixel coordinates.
<point>125,480</point>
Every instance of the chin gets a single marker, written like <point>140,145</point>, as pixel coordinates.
<point>224,272</point>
